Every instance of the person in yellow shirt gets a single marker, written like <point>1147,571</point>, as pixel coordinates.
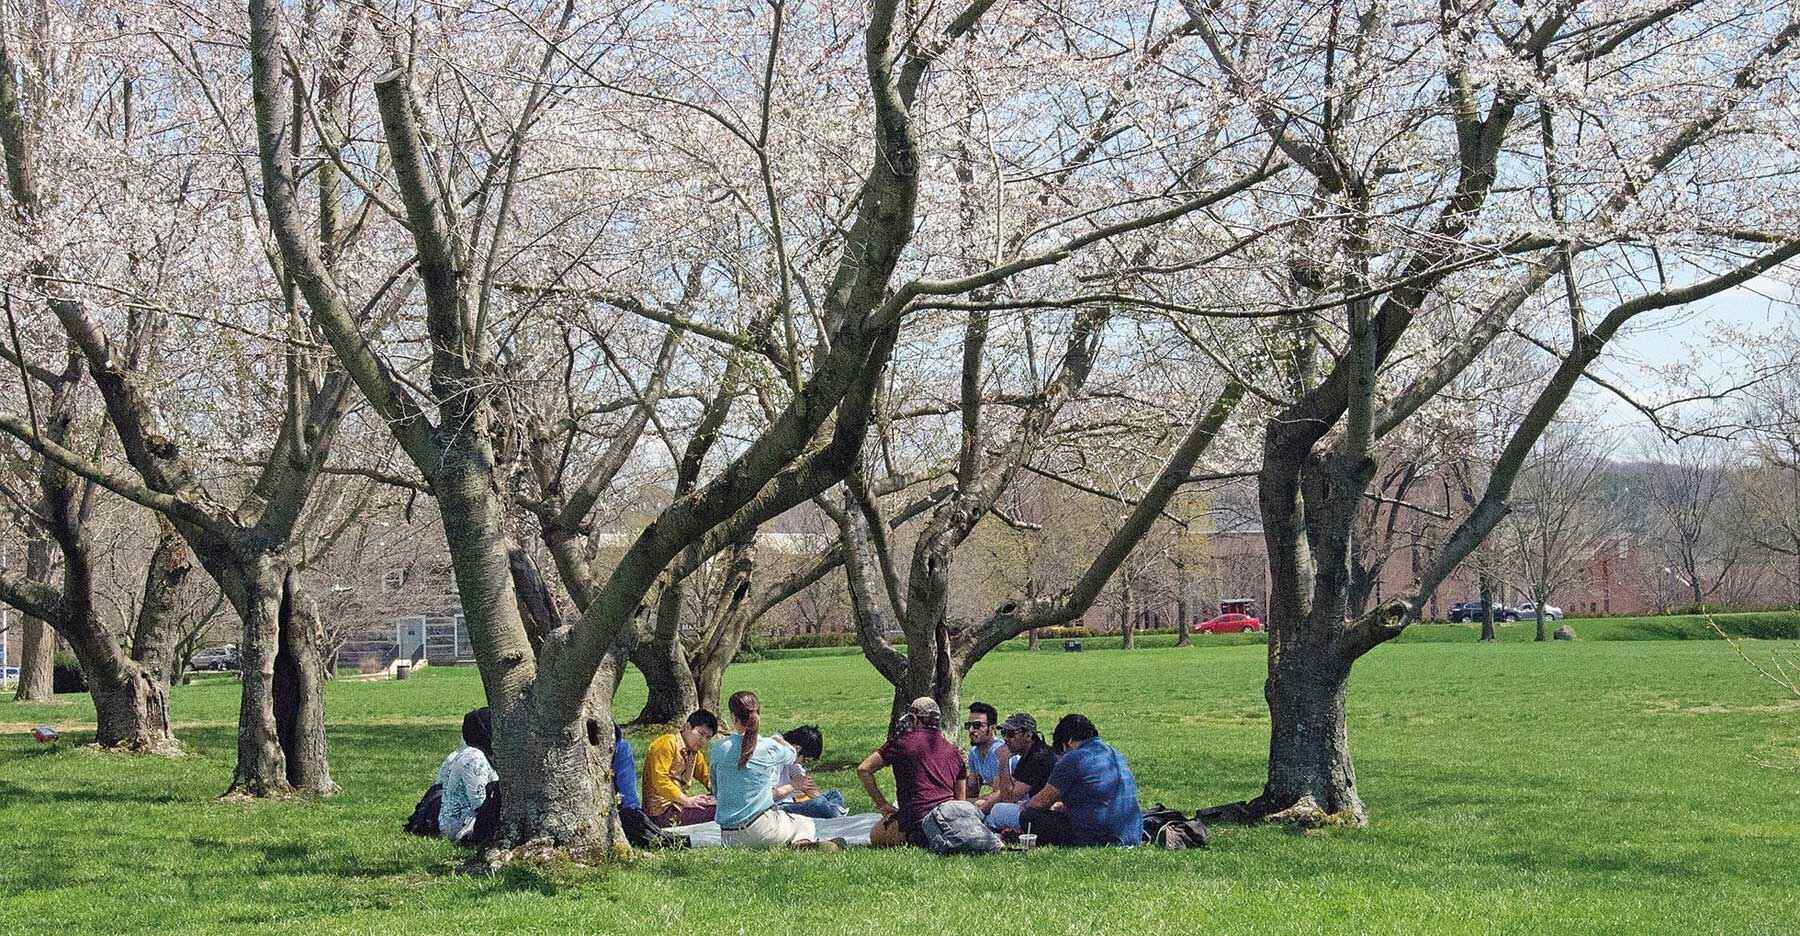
<point>672,764</point>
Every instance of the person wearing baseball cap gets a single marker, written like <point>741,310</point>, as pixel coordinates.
<point>928,772</point>
<point>1031,763</point>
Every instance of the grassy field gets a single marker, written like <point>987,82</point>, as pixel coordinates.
<point>1593,787</point>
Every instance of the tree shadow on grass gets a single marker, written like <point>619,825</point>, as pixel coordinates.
<point>23,795</point>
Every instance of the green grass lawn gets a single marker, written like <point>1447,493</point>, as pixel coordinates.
<point>1593,787</point>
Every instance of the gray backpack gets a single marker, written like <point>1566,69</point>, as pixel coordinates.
<point>958,828</point>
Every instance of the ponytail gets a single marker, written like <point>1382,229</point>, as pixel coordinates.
<point>748,712</point>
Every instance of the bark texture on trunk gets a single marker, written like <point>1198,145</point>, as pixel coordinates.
<point>1311,777</point>
<point>37,657</point>
<point>261,764</point>
<point>709,682</point>
<point>300,691</point>
<point>942,682</point>
<point>1487,610</point>
<point>131,710</point>
<point>1182,636</point>
<point>37,662</point>
<point>281,714</point>
<point>551,779</point>
<point>153,640</point>
<point>663,661</point>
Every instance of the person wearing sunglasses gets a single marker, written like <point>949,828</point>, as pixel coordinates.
<point>1029,766</point>
<point>987,753</point>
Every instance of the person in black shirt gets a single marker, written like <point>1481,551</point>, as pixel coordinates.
<point>1031,763</point>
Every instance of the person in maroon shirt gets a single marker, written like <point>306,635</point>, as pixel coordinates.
<point>928,772</point>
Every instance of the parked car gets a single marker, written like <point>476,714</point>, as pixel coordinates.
<point>1230,624</point>
<point>1551,612</point>
<point>218,659</point>
<point>1475,611</point>
<point>9,674</point>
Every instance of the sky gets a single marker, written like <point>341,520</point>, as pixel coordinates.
<point>1700,345</point>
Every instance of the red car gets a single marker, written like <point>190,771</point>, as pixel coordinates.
<point>1229,624</point>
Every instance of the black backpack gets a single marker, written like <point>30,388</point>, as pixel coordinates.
<point>425,815</point>
<point>487,817</point>
<point>642,833</point>
<point>1171,828</point>
<point>1182,833</point>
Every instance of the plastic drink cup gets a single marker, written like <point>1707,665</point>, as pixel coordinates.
<point>1028,841</point>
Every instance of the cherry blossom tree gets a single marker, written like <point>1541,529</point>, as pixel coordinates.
<point>1475,170</point>
<point>818,302</point>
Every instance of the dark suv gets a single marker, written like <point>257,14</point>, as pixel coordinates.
<point>1475,611</point>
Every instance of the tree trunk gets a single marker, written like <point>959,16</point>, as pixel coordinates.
<point>941,680</point>
<point>1127,625</point>
<point>1309,748</point>
<point>37,659</point>
<point>1487,610</point>
<point>663,661</point>
<point>708,685</point>
<point>548,766</point>
<point>299,691</point>
<point>131,707</point>
<point>1031,636</point>
<point>37,662</point>
<point>158,630</point>
<point>1182,637</point>
<point>281,720</point>
<point>550,773</point>
<point>1307,504</point>
<point>131,711</point>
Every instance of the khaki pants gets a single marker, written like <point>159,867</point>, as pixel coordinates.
<point>772,829</point>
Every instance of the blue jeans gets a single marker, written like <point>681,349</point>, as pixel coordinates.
<point>827,805</point>
<point>1004,816</point>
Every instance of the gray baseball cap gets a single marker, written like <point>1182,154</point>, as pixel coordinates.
<point>1019,723</point>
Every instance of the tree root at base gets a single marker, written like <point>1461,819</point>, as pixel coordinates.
<point>1301,815</point>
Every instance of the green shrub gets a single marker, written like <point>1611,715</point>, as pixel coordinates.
<point>66,675</point>
<point>1064,633</point>
<point>808,641</point>
<point>1773,625</point>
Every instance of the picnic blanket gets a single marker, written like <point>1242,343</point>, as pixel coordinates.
<point>854,830</point>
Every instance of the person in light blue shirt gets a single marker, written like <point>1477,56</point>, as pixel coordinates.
<point>745,767</point>
<point>465,776</point>
<point>989,760</point>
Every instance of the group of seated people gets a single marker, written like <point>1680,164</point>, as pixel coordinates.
<point>1075,790</point>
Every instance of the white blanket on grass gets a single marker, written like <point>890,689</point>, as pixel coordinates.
<point>854,830</point>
